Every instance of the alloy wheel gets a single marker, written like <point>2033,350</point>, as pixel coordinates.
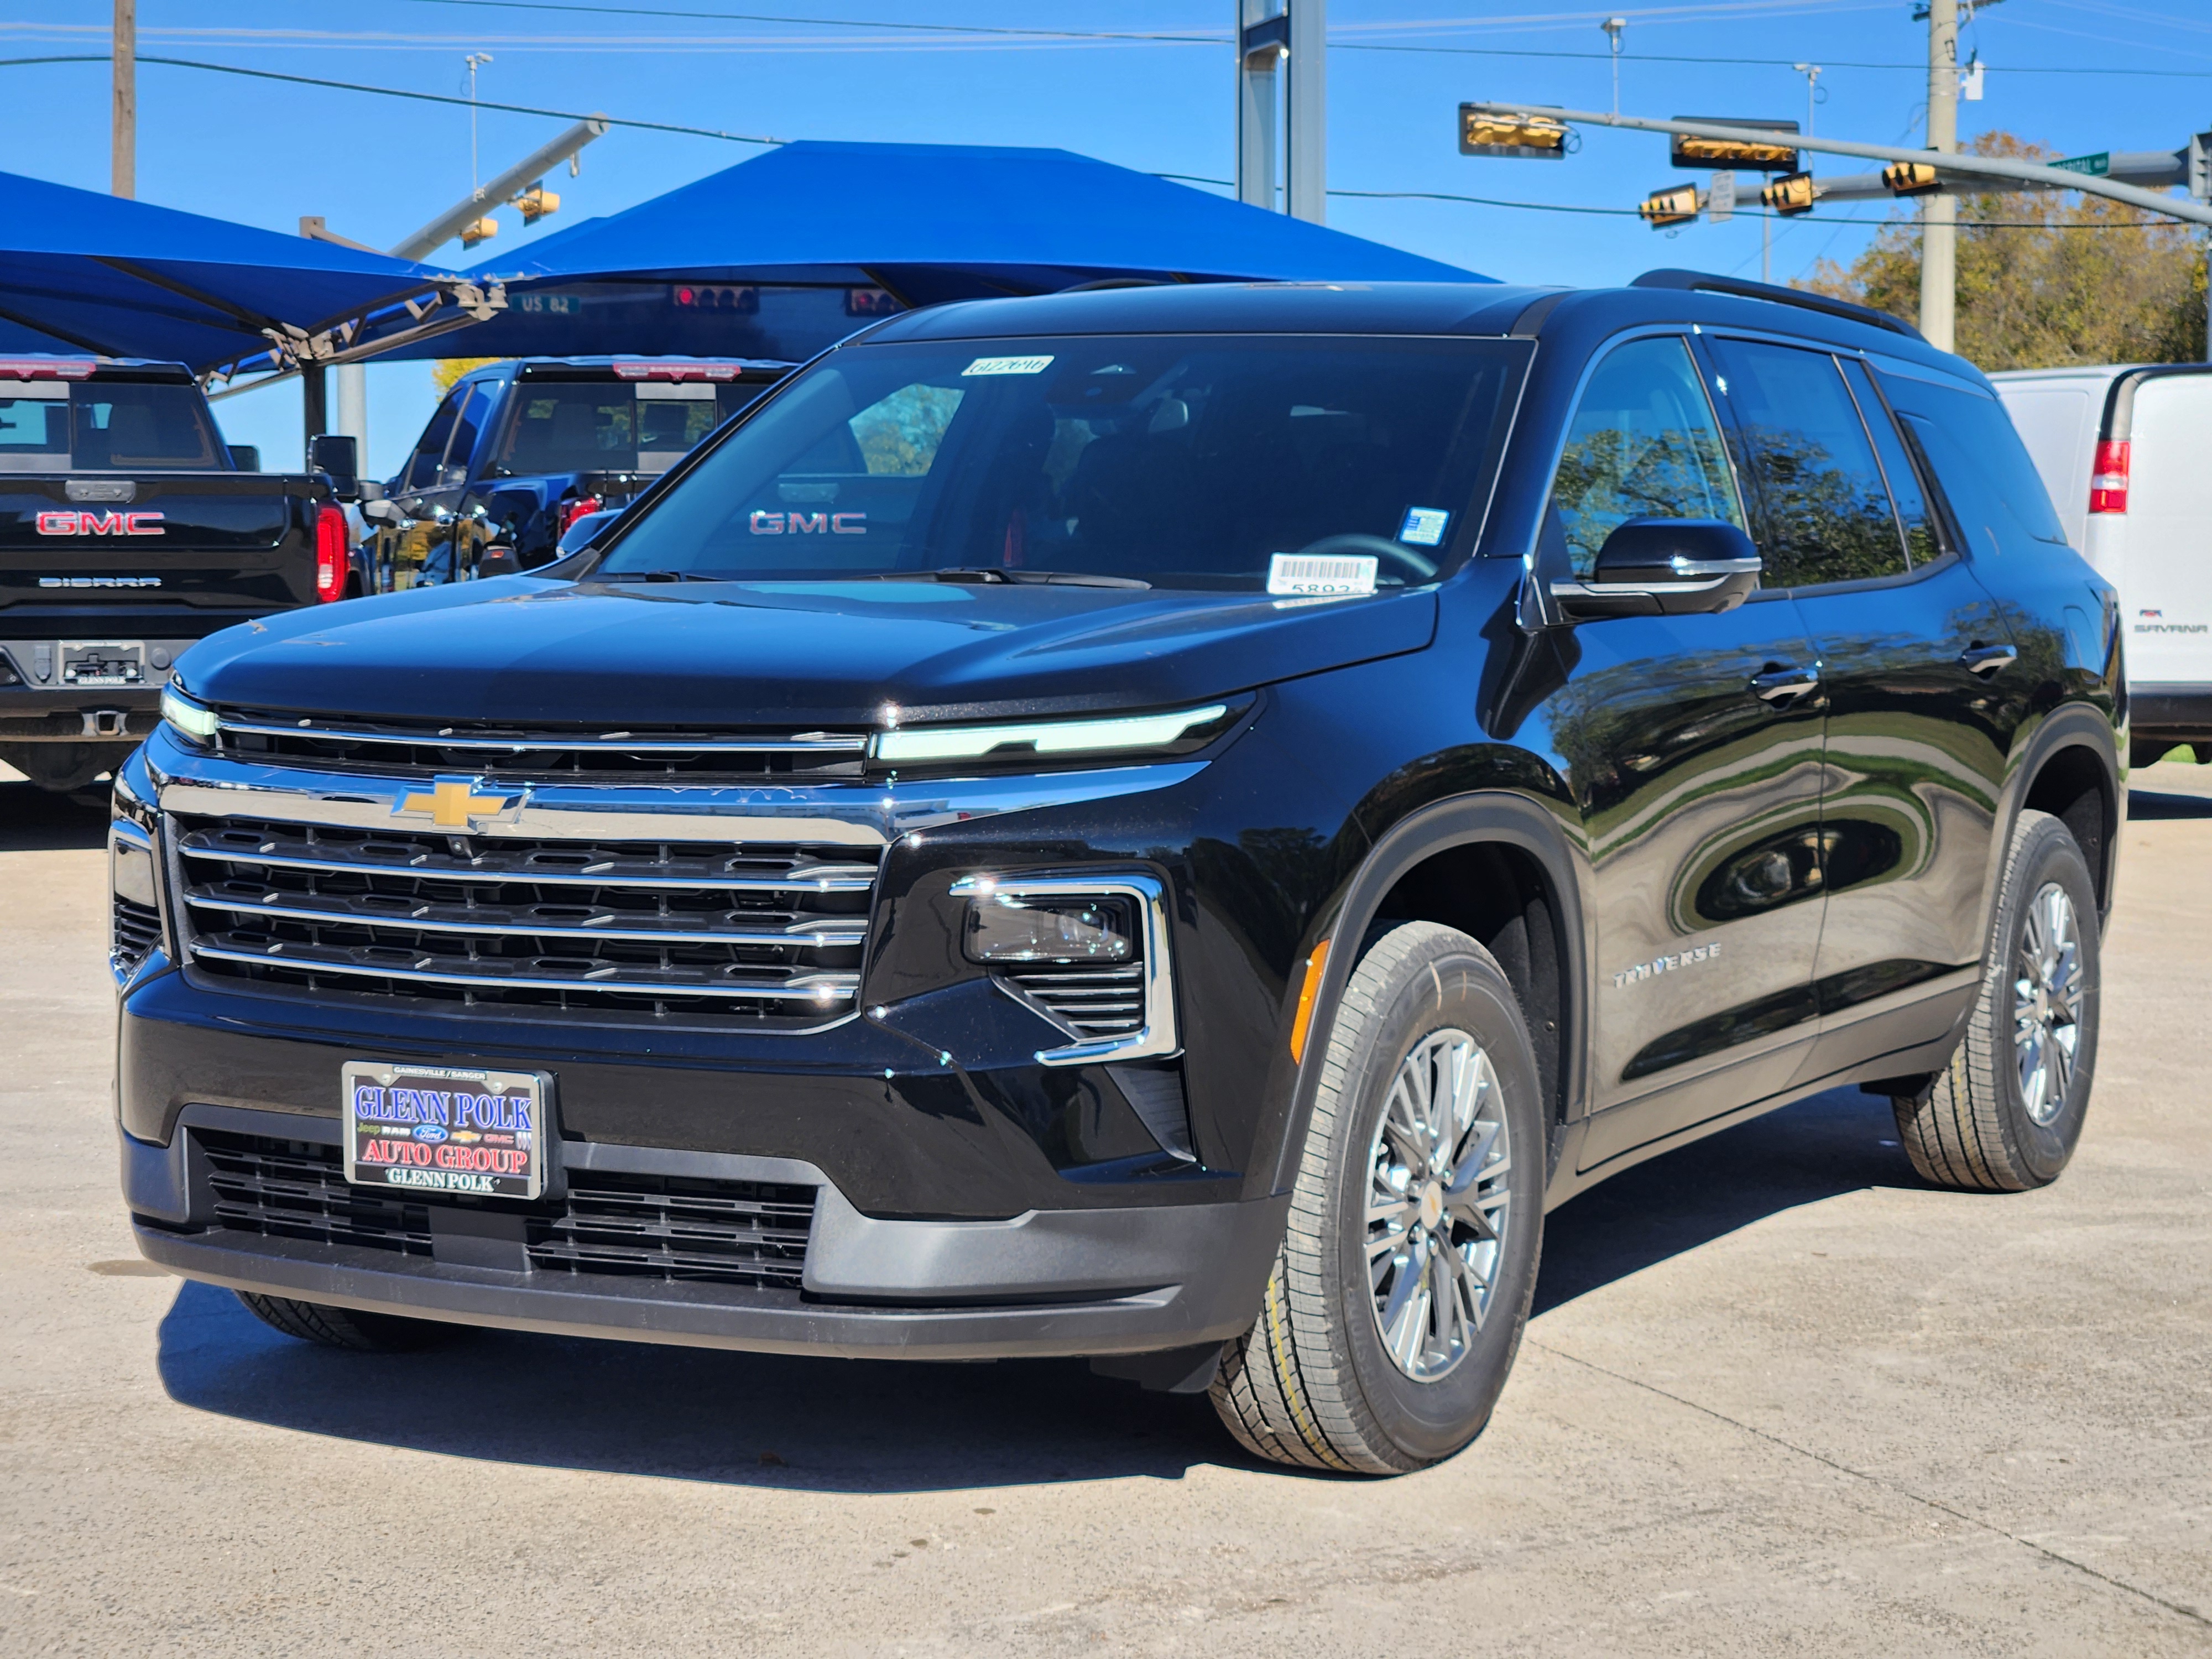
<point>1437,1203</point>
<point>2046,1002</point>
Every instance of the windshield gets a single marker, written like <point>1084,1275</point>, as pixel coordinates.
<point>610,426</point>
<point>1180,461</point>
<point>55,426</point>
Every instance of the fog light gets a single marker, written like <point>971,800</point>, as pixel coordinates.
<point>1005,928</point>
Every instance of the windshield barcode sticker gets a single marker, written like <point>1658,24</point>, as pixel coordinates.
<point>1008,365</point>
<point>1290,573</point>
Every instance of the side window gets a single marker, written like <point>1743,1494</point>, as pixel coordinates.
<point>1643,444</point>
<point>1980,464</point>
<point>1826,510</point>
<point>1921,542</point>
<point>430,448</point>
<point>474,413</point>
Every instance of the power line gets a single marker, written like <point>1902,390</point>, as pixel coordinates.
<point>418,97</point>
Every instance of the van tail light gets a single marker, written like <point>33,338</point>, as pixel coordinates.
<point>2108,484</point>
<point>330,555</point>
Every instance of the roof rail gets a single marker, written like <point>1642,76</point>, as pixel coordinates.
<point>1705,282</point>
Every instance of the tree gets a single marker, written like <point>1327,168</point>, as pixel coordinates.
<point>2045,278</point>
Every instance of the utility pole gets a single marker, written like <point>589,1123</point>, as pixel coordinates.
<point>1263,37</point>
<point>124,138</point>
<point>1939,215</point>
<point>1305,157</point>
<point>1267,32</point>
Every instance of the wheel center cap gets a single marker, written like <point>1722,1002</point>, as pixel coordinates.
<point>1432,1204</point>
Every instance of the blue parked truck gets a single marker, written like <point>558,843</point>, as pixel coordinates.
<point>518,450</point>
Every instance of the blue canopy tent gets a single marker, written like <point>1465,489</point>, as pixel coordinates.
<point>782,255</point>
<point>84,272</point>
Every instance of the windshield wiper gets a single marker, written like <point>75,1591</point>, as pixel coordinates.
<point>655,576</point>
<point>984,575</point>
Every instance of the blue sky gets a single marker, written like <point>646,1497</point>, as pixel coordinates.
<point>2076,75</point>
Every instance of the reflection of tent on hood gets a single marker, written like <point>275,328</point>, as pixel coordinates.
<point>80,271</point>
<point>700,268</point>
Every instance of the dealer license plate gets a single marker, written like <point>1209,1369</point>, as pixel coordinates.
<point>103,662</point>
<point>443,1129</point>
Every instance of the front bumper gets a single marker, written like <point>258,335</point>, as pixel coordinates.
<point>1069,1282</point>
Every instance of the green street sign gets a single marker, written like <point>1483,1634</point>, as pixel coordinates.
<point>2095,166</point>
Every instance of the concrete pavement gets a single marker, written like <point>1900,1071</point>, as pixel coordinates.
<point>1778,1399</point>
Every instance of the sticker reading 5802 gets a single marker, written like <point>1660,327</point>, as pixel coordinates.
<point>1007,365</point>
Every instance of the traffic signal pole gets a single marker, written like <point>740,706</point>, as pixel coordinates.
<point>1939,214</point>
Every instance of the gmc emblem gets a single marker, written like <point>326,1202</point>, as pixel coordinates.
<point>100,524</point>
<point>809,524</point>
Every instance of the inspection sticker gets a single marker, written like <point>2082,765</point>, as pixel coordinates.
<point>1008,365</point>
<point>1327,577</point>
<point>1423,526</point>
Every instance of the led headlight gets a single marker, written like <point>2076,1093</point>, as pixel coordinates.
<point>1002,928</point>
<point>194,721</point>
<point>1116,733</point>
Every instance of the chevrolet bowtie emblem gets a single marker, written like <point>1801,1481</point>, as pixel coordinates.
<point>454,802</point>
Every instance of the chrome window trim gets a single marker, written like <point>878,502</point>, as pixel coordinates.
<point>1157,1037</point>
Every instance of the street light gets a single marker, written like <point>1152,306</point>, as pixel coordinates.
<point>1614,28</point>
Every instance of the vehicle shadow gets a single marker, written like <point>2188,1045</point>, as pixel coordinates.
<point>33,820</point>
<point>861,1425</point>
<point>1842,1141</point>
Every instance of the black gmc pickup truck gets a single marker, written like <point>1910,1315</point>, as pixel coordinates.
<point>1168,825</point>
<point>128,532</point>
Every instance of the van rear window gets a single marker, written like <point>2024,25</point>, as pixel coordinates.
<point>97,425</point>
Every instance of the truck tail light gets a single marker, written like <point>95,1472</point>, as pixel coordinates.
<point>2108,483</point>
<point>577,509</point>
<point>330,555</point>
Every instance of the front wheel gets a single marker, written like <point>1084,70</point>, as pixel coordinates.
<point>352,1329</point>
<point>1397,1301</point>
<point>2004,1114</point>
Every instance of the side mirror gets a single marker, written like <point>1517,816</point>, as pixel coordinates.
<point>337,456</point>
<point>380,511</point>
<point>1665,568</point>
<point>246,457</point>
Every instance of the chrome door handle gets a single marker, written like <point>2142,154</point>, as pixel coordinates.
<point>1986,659</point>
<point>1784,684</point>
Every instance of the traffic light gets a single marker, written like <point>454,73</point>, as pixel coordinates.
<point>1769,153</point>
<point>479,230</point>
<point>1791,194</point>
<point>1663,208</point>
<point>536,203</point>
<point>1527,137</point>
<point>1911,179</point>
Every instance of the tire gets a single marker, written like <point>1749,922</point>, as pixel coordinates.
<point>1313,1384</point>
<point>345,1328</point>
<point>1987,1121</point>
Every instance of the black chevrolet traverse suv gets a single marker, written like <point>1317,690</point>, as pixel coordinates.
<point>1168,825</point>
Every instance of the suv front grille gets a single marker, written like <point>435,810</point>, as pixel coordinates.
<point>722,931</point>
<point>666,1227</point>
<point>536,753</point>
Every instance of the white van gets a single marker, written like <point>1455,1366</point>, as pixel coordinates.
<point>2126,452</point>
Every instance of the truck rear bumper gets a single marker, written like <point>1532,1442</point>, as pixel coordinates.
<point>2170,712</point>
<point>1066,1282</point>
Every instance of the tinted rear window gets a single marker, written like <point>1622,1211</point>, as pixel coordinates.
<point>610,426</point>
<point>48,425</point>
<point>1185,461</point>
<point>1979,461</point>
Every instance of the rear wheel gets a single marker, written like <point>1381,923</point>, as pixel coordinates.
<point>2004,1114</point>
<point>1397,1301</point>
<point>345,1328</point>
